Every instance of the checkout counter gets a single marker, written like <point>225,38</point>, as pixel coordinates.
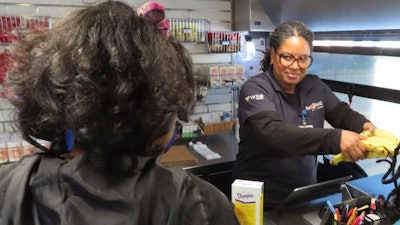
<point>309,213</point>
<point>218,172</point>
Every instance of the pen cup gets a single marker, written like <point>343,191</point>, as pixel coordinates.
<point>369,219</point>
<point>346,208</point>
<point>335,222</point>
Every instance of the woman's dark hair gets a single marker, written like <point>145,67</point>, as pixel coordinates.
<point>283,32</point>
<point>108,76</point>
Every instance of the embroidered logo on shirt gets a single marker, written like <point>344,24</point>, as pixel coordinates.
<point>315,106</point>
<point>254,97</point>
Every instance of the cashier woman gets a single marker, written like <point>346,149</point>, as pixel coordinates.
<point>282,113</point>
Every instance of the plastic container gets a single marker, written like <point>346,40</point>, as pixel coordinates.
<point>188,30</point>
<point>223,42</point>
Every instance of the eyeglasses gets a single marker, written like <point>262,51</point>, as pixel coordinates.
<point>304,61</point>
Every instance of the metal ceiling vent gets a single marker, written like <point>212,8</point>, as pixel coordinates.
<point>249,15</point>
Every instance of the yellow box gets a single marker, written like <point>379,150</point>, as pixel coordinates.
<point>248,198</point>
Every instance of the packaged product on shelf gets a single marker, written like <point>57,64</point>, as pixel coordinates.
<point>232,70</point>
<point>227,75</point>
<point>223,70</point>
<point>188,30</point>
<point>210,70</point>
<point>240,69</point>
<point>215,81</point>
<point>240,74</point>
<point>3,152</point>
<point>187,129</point>
<point>223,42</point>
<point>210,75</point>
<point>14,150</point>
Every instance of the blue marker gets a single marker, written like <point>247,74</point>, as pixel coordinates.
<point>331,207</point>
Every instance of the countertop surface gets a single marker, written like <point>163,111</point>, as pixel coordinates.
<point>224,144</point>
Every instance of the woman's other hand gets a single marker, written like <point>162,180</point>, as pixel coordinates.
<point>369,126</point>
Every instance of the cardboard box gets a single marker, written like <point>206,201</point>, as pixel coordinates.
<point>232,70</point>
<point>210,70</point>
<point>215,81</point>
<point>223,70</point>
<point>240,69</point>
<point>248,198</point>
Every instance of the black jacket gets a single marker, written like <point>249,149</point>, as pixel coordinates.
<point>44,190</point>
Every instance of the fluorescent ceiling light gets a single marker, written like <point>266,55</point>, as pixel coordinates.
<point>378,44</point>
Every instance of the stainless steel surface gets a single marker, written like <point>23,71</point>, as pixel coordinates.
<point>338,15</point>
<point>249,15</point>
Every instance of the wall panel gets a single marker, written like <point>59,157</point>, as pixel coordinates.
<point>217,12</point>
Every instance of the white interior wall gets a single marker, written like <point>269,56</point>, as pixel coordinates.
<point>217,12</point>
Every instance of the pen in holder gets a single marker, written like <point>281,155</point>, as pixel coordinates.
<point>347,212</point>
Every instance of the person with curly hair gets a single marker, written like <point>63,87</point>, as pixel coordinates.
<point>105,88</point>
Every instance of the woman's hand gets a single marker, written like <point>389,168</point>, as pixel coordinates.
<point>369,126</point>
<point>351,145</point>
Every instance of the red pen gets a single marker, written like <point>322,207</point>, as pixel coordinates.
<point>359,219</point>
<point>349,213</point>
<point>372,206</point>
<point>352,216</point>
<point>339,219</point>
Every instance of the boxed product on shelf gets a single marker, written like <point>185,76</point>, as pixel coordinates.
<point>215,81</point>
<point>187,129</point>
<point>240,69</point>
<point>223,42</point>
<point>210,75</point>
<point>223,70</point>
<point>212,70</point>
<point>232,70</point>
<point>221,75</point>
<point>230,75</point>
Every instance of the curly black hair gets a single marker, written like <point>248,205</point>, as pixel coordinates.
<point>108,76</point>
<point>281,33</point>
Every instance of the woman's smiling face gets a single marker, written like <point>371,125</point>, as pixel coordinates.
<point>289,76</point>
